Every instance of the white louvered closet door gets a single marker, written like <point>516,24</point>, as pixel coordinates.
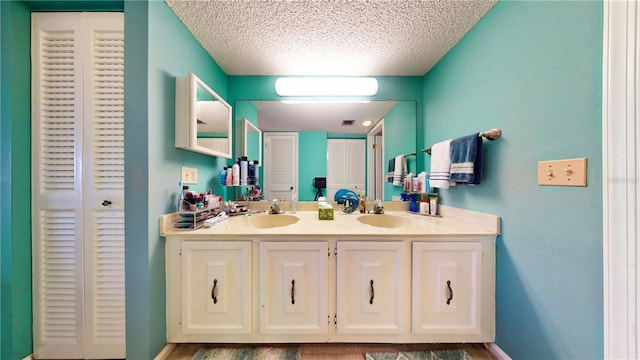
<point>346,159</point>
<point>78,185</point>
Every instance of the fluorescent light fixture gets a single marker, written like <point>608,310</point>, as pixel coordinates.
<point>367,123</point>
<point>306,102</point>
<point>326,86</point>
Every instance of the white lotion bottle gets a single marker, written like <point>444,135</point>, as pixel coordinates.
<point>236,174</point>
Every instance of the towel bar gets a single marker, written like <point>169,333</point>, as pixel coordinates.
<point>491,135</point>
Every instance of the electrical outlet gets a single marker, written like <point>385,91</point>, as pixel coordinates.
<point>569,172</point>
<point>189,175</point>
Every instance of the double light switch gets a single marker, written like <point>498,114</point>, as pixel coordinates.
<point>568,172</point>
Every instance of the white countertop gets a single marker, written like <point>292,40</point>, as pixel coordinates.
<point>454,223</point>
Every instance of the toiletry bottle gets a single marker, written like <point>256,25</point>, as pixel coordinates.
<point>182,199</point>
<point>424,204</point>
<point>294,200</point>
<point>256,165</point>
<point>223,176</point>
<point>251,178</point>
<point>236,173</point>
<point>229,178</point>
<point>413,207</point>
<point>244,171</point>
<point>433,204</point>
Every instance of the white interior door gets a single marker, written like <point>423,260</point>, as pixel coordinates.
<point>78,184</point>
<point>336,167</point>
<point>355,164</point>
<point>280,165</point>
<point>345,165</point>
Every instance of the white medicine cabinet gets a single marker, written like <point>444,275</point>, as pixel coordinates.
<point>203,118</point>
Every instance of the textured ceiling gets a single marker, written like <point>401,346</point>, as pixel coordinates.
<point>329,37</point>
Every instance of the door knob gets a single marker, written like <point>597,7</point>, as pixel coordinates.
<point>106,202</point>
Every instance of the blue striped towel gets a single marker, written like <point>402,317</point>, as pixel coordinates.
<point>466,159</point>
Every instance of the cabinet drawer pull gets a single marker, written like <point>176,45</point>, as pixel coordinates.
<point>293,292</point>
<point>372,292</point>
<point>450,292</point>
<point>214,291</point>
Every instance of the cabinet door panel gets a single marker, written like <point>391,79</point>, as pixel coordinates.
<point>370,286</point>
<point>446,288</point>
<point>293,288</point>
<point>216,279</point>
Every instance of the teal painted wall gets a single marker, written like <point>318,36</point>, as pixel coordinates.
<point>15,229</point>
<point>533,68</point>
<point>158,48</point>
<point>312,162</point>
<point>2,190</point>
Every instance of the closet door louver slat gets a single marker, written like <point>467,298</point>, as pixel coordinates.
<point>58,108</point>
<point>60,294</point>
<point>108,277</point>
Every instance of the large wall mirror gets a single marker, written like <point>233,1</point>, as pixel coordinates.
<point>203,118</point>
<point>323,126</point>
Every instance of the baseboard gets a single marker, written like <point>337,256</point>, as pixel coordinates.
<point>165,352</point>
<point>496,351</point>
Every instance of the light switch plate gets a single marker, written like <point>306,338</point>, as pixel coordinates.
<point>189,175</point>
<point>567,172</point>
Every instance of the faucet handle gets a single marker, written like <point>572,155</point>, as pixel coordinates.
<point>378,208</point>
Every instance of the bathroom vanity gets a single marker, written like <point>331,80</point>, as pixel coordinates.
<point>397,278</point>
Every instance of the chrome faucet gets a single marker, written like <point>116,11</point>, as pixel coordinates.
<point>378,208</point>
<point>275,208</point>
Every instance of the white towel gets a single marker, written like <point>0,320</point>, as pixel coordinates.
<point>399,170</point>
<point>440,164</point>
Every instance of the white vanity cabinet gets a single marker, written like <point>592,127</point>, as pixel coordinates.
<point>447,287</point>
<point>371,286</point>
<point>331,281</point>
<point>209,289</point>
<point>293,287</point>
<point>216,287</point>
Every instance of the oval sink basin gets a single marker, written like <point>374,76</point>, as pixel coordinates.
<point>272,221</point>
<point>383,220</point>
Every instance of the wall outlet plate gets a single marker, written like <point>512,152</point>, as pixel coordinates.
<point>189,175</point>
<point>568,172</point>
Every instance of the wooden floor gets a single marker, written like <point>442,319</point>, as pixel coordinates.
<point>343,351</point>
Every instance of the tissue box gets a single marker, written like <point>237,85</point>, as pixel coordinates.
<point>325,214</point>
